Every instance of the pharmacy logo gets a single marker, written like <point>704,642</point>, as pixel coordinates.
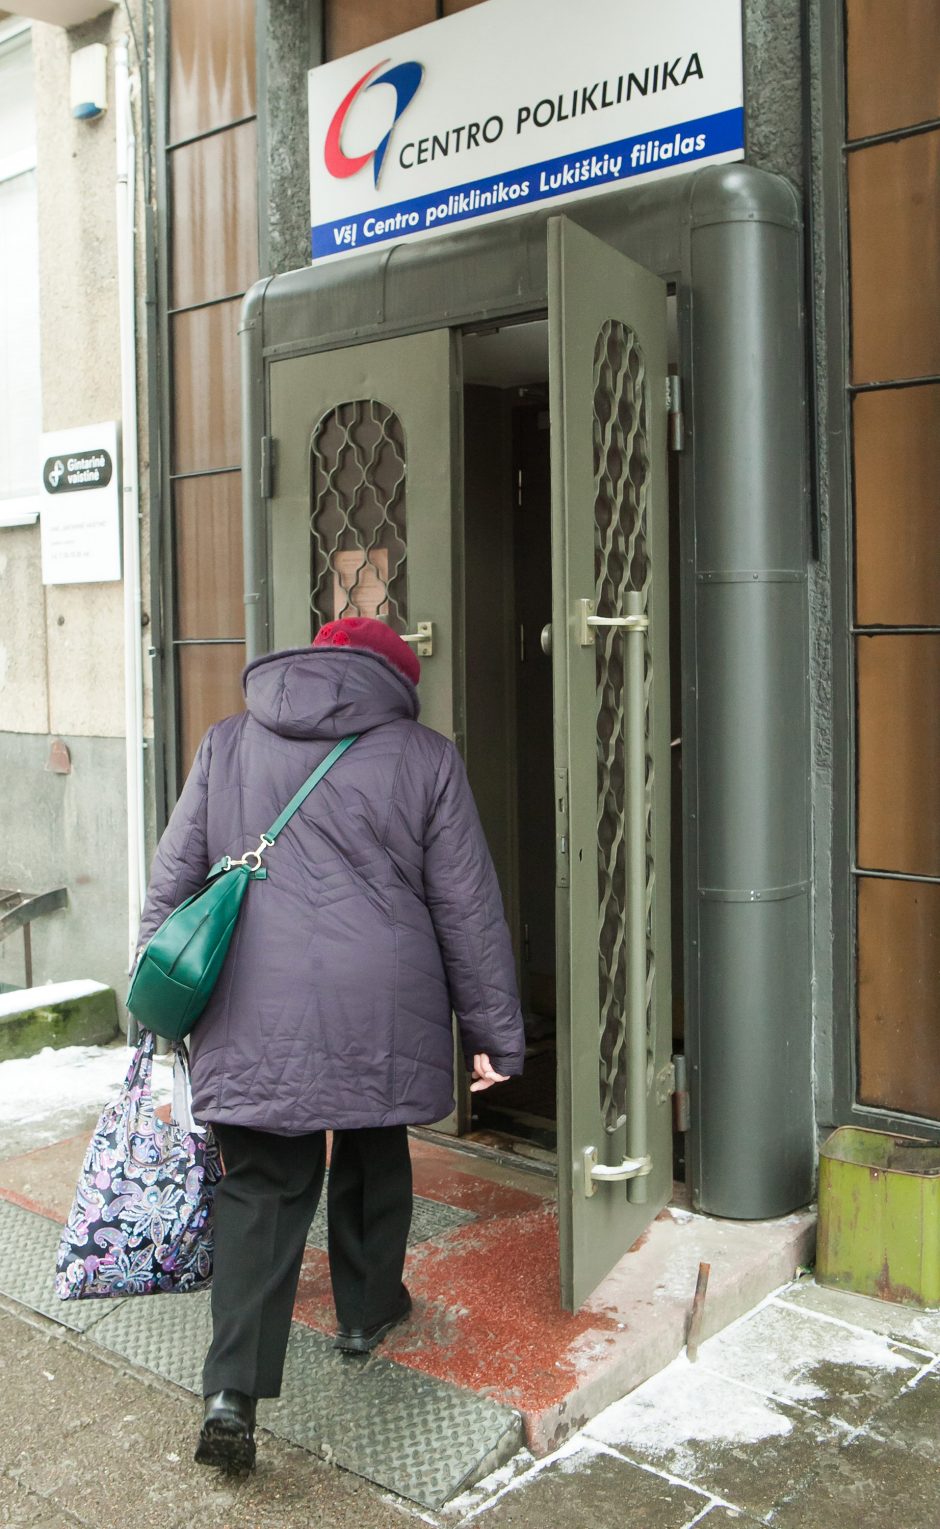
<point>404,80</point>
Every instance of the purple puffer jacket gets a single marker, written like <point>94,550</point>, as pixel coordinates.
<point>380,913</point>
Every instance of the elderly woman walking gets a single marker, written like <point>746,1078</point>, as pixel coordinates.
<point>379,916</point>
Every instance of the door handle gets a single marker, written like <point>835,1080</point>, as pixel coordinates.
<point>423,638</point>
<point>635,622</point>
<point>612,1173</point>
<point>587,621</point>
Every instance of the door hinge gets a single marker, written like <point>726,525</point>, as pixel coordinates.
<point>563,854</point>
<point>268,445</point>
<point>665,1082</point>
<point>681,1106</point>
<point>675,412</point>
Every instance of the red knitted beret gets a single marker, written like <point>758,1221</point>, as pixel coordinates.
<point>365,635</point>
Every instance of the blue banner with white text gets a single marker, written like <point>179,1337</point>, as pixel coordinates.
<point>610,164</point>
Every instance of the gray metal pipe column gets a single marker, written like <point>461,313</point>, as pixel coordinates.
<point>254,489</point>
<point>750,952</point>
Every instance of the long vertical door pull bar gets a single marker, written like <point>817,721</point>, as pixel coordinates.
<point>637,1163</point>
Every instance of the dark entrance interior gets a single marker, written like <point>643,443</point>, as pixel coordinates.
<point>508,690</point>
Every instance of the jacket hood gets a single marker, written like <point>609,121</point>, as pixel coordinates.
<point>326,692</point>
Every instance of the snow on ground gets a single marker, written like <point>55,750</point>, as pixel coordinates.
<point>575,1455</point>
<point>807,1352</point>
<point>60,1092</point>
<point>19,1000</point>
<point>739,1394</point>
<point>678,1408</point>
<point>71,1077</point>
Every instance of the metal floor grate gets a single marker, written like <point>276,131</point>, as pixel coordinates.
<point>28,1247</point>
<point>168,1334</point>
<point>421,1438</point>
<point>430,1219</point>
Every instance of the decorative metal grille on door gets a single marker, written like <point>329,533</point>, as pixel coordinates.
<point>358,519</point>
<point>621,563</point>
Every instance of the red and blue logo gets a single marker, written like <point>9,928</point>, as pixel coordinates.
<point>404,80</point>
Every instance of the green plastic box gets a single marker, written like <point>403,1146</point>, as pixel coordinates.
<point>879,1216</point>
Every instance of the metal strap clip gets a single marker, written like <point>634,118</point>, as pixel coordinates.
<point>252,855</point>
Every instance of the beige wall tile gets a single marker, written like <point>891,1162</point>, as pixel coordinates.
<point>24,699</point>
<point>85,647</point>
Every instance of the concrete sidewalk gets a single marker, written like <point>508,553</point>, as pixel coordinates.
<point>483,1274</point>
<point>816,1411</point>
<point>488,1343</point>
<point>810,1409</point>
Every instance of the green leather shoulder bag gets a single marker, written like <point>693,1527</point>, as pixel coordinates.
<point>180,965</point>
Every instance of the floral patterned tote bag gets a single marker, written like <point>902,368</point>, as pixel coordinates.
<point>141,1220</point>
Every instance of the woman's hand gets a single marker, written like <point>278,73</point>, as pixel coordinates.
<point>485,1074</point>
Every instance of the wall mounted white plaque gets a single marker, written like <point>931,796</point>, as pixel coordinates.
<point>80,519</point>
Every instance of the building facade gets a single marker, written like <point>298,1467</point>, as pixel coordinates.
<point>827,949</point>
<point>62,646</point>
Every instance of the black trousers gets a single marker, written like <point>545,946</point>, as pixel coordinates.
<point>264,1205</point>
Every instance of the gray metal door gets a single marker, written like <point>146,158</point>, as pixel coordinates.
<point>366,487</point>
<point>361,515</point>
<point>607,372</point>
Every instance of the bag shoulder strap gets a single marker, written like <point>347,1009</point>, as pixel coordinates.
<point>298,799</point>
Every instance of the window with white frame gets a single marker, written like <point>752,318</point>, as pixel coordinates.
<point>20,396</point>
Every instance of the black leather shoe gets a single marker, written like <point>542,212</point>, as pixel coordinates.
<point>227,1437</point>
<point>361,1340</point>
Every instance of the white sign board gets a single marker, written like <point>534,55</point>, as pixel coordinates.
<point>80,523</point>
<point>513,103</point>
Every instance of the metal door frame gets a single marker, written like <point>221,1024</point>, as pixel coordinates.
<point>729,239</point>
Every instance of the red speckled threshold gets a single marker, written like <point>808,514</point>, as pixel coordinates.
<point>487,1314</point>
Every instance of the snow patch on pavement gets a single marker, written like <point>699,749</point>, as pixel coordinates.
<point>69,1078</point>
<point>685,1406</point>
<point>782,1353</point>
<point>868,1351</point>
<point>573,1456</point>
